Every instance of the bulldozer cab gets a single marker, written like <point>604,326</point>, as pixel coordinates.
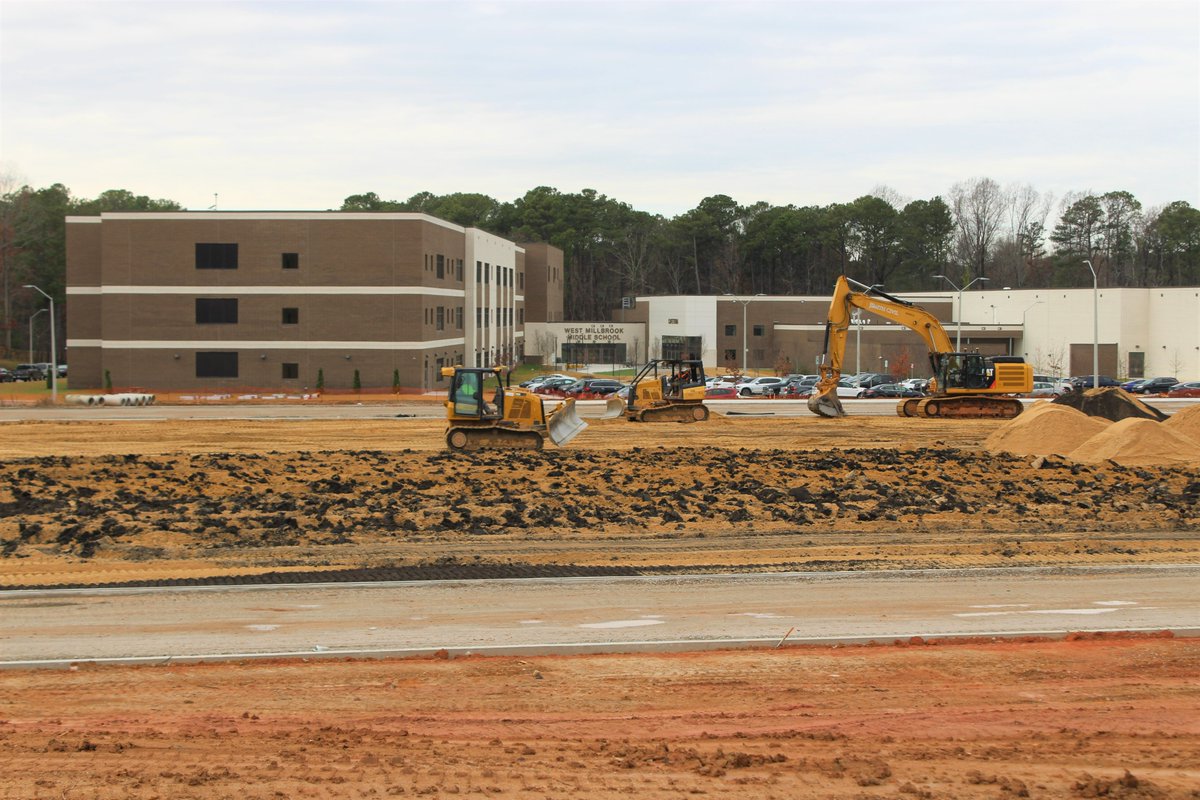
<point>467,389</point>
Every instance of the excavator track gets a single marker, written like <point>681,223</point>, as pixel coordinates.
<point>493,438</point>
<point>675,412</point>
<point>976,407</point>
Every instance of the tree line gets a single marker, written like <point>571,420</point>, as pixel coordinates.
<point>611,249</point>
<point>978,230</point>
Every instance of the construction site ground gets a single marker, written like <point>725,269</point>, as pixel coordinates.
<point>88,502</point>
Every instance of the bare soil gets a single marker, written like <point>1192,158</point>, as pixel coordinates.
<point>1113,716</point>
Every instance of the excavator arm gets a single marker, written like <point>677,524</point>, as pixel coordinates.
<point>824,399</point>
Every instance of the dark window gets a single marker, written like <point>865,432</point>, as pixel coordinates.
<point>731,330</point>
<point>487,272</point>
<point>441,266</point>
<point>458,270</point>
<point>441,318</point>
<point>730,355</point>
<point>521,280</point>
<point>216,256</point>
<point>291,261</point>
<point>291,371</point>
<point>291,316</point>
<point>210,311</point>
<point>458,317</point>
<point>521,315</point>
<point>760,330</point>
<point>216,365</point>
<point>478,271</point>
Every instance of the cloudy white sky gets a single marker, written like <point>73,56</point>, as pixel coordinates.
<point>296,105</point>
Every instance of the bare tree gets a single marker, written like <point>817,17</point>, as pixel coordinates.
<point>978,206</point>
<point>1028,210</point>
<point>890,196</point>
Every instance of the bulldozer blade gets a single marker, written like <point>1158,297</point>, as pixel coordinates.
<point>613,408</point>
<point>563,424</point>
<point>826,404</point>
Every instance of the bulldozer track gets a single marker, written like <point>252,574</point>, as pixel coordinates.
<point>691,412</point>
<point>496,438</point>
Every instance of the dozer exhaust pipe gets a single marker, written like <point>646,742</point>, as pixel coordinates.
<point>563,424</point>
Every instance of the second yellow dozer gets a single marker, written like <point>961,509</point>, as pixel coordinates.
<point>512,418</point>
<point>667,390</point>
<point>964,385</point>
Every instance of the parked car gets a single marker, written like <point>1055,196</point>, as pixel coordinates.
<point>759,386</point>
<point>795,386</point>
<point>1154,386</point>
<point>723,380</point>
<point>6,376</point>
<point>1085,382</point>
<point>537,380</point>
<point>845,390</point>
<point>553,385</point>
<point>1045,389</point>
<point>28,372</point>
<point>1189,389</point>
<point>868,379</point>
<point>594,387</point>
<point>889,390</point>
<point>720,393</point>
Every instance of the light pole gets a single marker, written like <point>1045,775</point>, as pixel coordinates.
<point>53,346</point>
<point>745,347</point>
<point>958,336</point>
<point>1095,326</point>
<point>31,318</point>
<point>857,318</point>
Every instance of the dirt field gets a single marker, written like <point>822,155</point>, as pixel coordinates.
<point>89,502</point>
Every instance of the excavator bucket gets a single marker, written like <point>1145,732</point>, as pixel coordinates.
<point>826,403</point>
<point>563,424</point>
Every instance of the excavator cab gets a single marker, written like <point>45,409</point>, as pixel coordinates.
<point>485,413</point>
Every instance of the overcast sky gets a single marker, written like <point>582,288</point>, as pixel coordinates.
<point>296,105</point>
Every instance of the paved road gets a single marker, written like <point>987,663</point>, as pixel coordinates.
<point>51,628</point>
<point>430,410</point>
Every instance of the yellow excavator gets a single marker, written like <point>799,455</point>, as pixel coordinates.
<point>513,418</point>
<point>667,390</point>
<point>964,385</point>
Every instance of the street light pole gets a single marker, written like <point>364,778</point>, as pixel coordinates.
<point>958,336</point>
<point>53,346</point>
<point>1095,326</point>
<point>745,347</point>
<point>31,318</point>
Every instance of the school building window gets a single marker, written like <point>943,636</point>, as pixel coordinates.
<point>216,365</point>
<point>211,255</point>
<point>291,371</point>
<point>216,311</point>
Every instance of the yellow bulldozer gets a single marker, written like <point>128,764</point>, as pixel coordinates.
<point>511,418</point>
<point>667,390</point>
<point>964,385</point>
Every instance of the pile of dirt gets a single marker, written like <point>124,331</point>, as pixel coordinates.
<point>1186,422</point>
<point>1111,403</point>
<point>1138,441</point>
<point>1045,429</point>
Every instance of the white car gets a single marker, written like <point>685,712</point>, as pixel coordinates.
<point>764,385</point>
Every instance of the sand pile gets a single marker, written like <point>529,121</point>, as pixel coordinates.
<point>1045,429</point>
<point>1138,441</point>
<point>1110,403</point>
<point>1186,422</point>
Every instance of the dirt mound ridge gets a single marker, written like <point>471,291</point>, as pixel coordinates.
<point>1111,403</point>
<point>1045,429</point>
<point>1138,441</point>
<point>1186,422</point>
